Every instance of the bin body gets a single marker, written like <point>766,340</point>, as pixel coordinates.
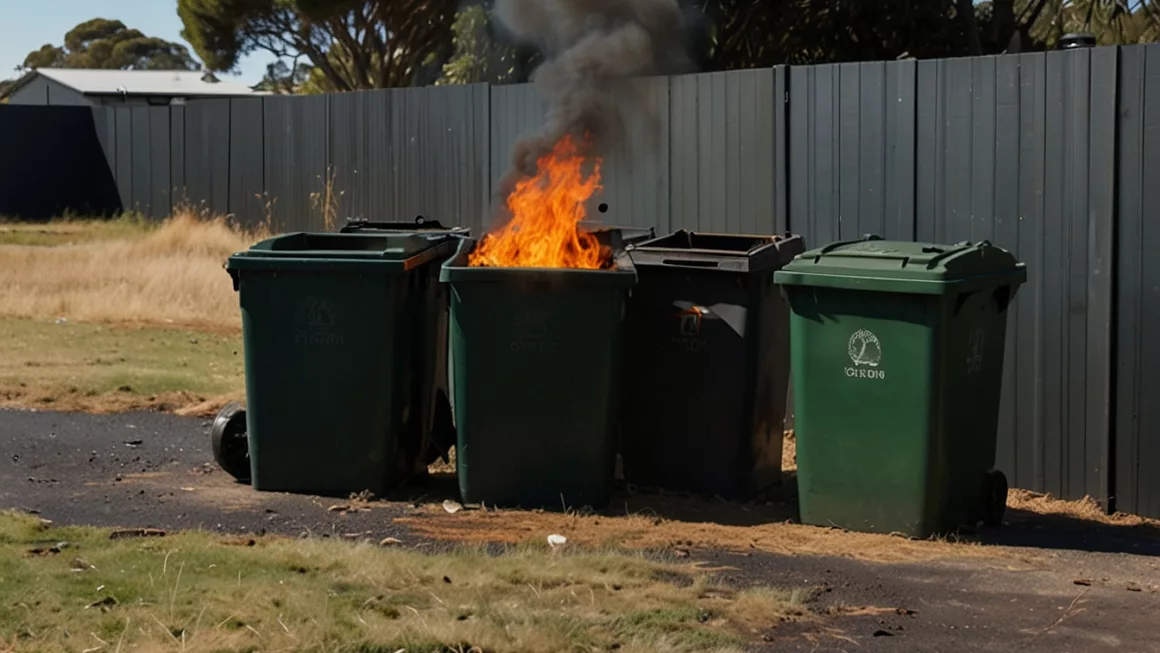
<point>440,421</point>
<point>536,361</point>
<point>708,364</point>
<point>897,356</point>
<point>338,364</point>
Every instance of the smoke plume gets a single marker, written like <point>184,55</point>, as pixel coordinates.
<point>592,48</point>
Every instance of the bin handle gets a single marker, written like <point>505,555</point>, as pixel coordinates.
<point>864,239</point>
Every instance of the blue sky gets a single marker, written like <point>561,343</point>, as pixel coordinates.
<point>29,24</point>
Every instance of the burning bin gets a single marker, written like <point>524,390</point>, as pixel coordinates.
<point>536,356</point>
<point>338,358</point>
<point>897,354</point>
<point>708,363</point>
<point>442,427</point>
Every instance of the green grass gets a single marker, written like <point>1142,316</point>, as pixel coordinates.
<point>71,365</point>
<point>70,230</point>
<point>194,592</point>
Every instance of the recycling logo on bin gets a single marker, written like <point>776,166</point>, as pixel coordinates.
<point>314,322</point>
<point>865,354</point>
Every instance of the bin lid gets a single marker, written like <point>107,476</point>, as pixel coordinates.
<point>419,224</point>
<point>873,264</point>
<point>316,250</point>
<point>711,251</point>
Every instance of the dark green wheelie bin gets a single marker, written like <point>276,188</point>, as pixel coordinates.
<point>897,354</point>
<point>442,430</point>
<point>536,365</point>
<point>338,362</point>
<point>707,345</point>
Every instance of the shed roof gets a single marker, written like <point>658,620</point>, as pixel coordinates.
<point>184,83</point>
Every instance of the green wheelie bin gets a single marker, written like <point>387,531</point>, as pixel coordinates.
<point>339,364</point>
<point>535,368</point>
<point>897,357</point>
<point>707,369</point>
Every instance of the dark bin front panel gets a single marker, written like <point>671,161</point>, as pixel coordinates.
<point>536,360</point>
<point>707,368</point>
<point>339,364</point>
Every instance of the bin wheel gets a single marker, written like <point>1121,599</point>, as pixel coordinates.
<point>443,433</point>
<point>231,448</point>
<point>994,504</point>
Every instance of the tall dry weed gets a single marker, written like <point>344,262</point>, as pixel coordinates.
<point>169,274</point>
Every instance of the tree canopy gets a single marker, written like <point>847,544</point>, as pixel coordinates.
<point>109,44</point>
<point>350,44</point>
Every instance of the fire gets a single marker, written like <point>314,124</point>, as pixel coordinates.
<point>546,210</point>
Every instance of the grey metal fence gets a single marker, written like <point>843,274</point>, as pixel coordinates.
<point>1052,155</point>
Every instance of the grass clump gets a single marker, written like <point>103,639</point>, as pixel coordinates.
<point>195,593</point>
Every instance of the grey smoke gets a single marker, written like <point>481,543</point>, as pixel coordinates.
<point>592,48</point>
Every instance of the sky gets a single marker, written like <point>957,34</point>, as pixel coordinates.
<point>25,25</point>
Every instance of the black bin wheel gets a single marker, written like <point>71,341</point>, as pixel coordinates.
<point>231,448</point>
<point>994,499</point>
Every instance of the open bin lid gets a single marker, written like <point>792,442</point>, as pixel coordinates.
<point>710,251</point>
<point>617,237</point>
<point>419,224</point>
<point>873,264</point>
<point>316,250</point>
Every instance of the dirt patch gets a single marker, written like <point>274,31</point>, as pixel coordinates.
<point>702,525</point>
<point>73,400</point>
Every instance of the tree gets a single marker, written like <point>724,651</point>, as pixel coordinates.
<point>352,44</point>
<point>285,79</point>
<point>482,54</point>
<point>109,44</point>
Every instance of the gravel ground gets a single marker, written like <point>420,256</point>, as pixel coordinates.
<point>1080,589</point>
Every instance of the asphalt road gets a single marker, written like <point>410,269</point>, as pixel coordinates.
<point>152,470</point>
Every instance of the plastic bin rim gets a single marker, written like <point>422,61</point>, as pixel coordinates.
<point>1015,276</point>
<point>455,269</point>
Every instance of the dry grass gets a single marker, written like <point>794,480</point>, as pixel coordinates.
<point>170,274</point>
<point>1085,510</point>
<point>193,592</point>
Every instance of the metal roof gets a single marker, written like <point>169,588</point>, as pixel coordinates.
<point>140,82</point>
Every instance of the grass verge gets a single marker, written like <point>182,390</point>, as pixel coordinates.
<point>195,592</point>
<point>101,368</point>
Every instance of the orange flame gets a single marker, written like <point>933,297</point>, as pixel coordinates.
<point>546,210</point>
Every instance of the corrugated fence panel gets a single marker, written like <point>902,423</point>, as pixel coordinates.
<point>106,127</point>
<point>722,149</point>
<point>247,156</point>
<point>851,147</point>
<point>297,158</point>
<point>440,158</point>
<point>177,154</point>
<point>360,137</point>
<point>161,186</point>
<point>515,110</point>
<point>142,170</point>
<point>207,154</point>
<point>635,173</point>
<point>1019,151</point>
<point>123,116</point>
<point>1137,485</point>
